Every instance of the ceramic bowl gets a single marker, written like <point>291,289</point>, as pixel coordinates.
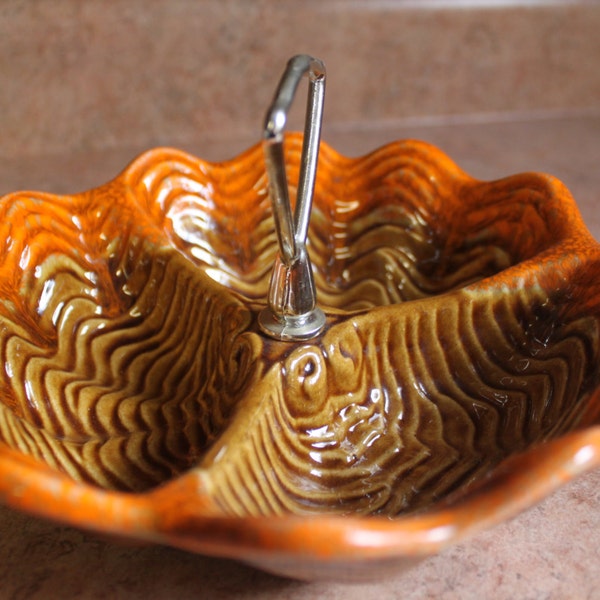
<point>456,382</point>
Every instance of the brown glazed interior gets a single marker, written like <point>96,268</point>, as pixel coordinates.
<point>462,328</point>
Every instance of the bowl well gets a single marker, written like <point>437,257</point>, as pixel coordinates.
<point>455,383</point>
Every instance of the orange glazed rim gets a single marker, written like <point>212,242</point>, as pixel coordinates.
<point>292,545</point>
<point>180,512</point>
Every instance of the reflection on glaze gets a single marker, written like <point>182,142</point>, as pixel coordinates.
<point>395,409</point>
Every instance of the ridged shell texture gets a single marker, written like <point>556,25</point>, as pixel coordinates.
<point>130,351</point>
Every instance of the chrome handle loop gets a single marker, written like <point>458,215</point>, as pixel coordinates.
<point>292,313</point>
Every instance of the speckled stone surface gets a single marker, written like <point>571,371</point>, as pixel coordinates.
<point>87,86</point>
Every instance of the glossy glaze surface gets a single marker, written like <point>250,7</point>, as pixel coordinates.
<point>462,329</point>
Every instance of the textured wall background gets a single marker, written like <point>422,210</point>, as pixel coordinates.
<point>80,76</point>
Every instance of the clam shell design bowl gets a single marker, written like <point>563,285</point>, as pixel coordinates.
<point>456,382</point>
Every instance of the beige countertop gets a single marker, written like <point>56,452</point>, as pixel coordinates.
<point>551,551</point>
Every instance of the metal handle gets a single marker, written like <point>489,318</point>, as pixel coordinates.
<point>292,312</point>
